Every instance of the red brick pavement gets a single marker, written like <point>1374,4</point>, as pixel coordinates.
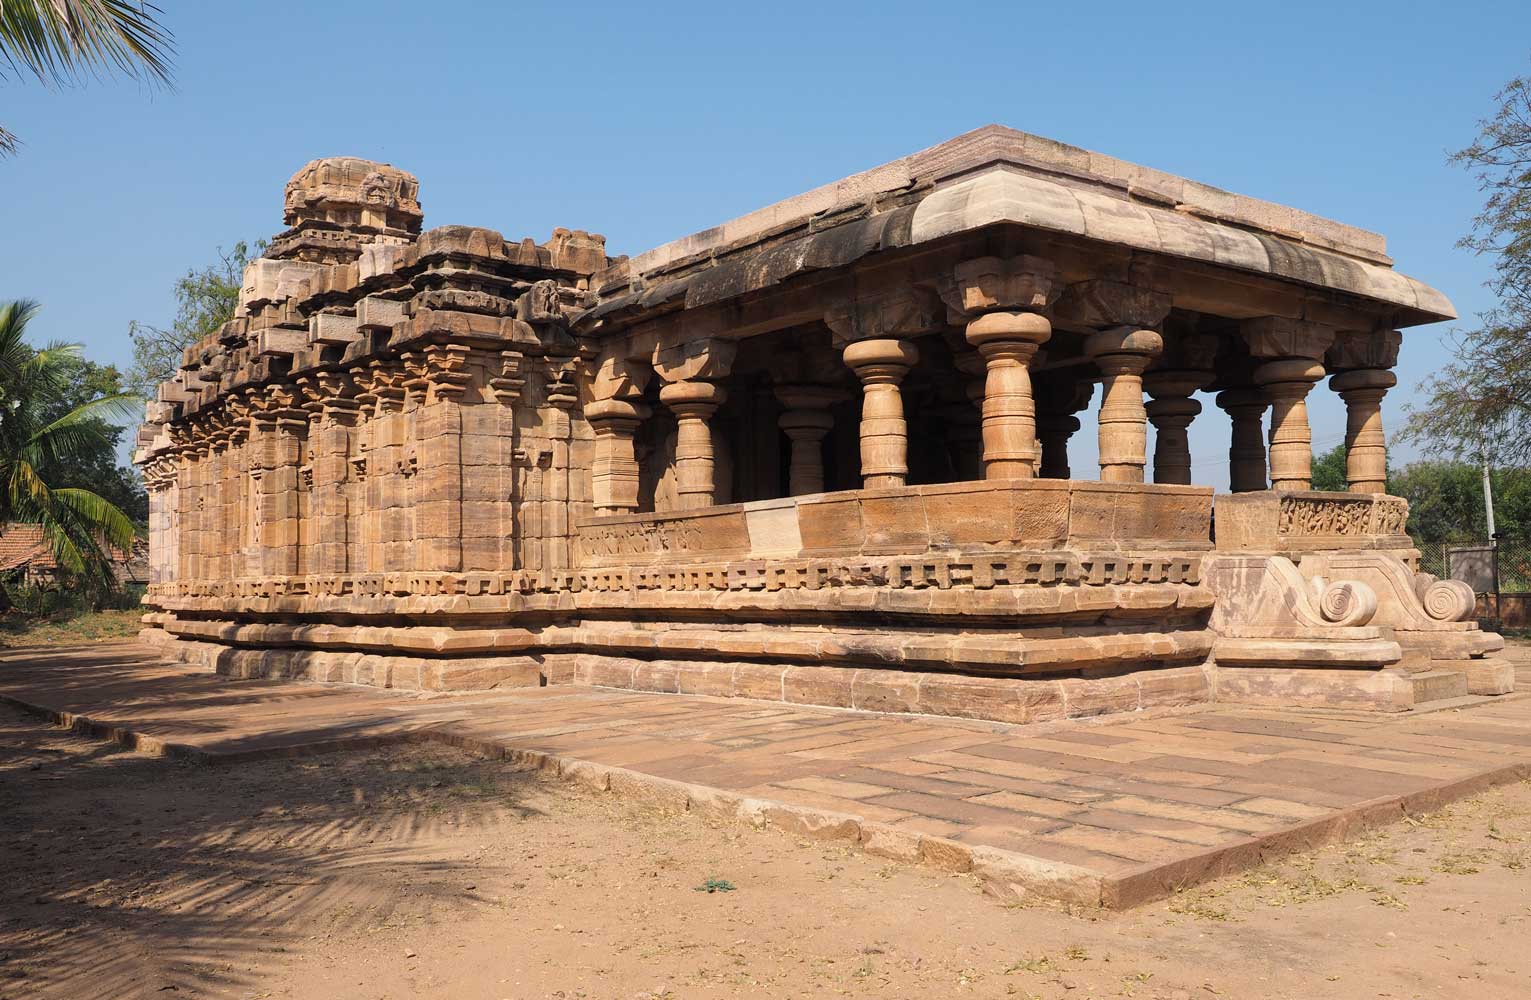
<point>1112,812</point>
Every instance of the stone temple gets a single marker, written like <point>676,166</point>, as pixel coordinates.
<point>818,454</point>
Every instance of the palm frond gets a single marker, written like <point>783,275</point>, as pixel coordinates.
<point>63,41</point>
<point>104,517</point>
<point>14,351</point>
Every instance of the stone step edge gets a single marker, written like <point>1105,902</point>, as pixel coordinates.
<point>1010,876</point>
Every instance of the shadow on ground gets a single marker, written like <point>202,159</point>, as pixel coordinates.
<point>198,877</point>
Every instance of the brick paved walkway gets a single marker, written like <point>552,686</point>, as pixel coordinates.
<point>1113,813</point>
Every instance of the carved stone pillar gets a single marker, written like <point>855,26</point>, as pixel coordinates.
<point>881,365</point>
<point>1171,409</point>
<point>1001,298</point>
<point>1053,433</point>
<point>1294,349</point>
<point>1246,449</point>
<point>1122,353</point>
<point>693,403</point>
<point>1365,443</point>
<point>688,371</point>
<point>805,420</point>
<point>1058,399</point>
<point>1287,384</point>
<point>1126,315</point>
<point>614,466</point>
<point>1008,341</point>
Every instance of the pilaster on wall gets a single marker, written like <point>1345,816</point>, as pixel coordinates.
<point>332,432</point>
<point>442,378</point>
<point>277,440</point>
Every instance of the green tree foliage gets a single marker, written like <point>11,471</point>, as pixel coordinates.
<point>1329,470</point>
<point>43,439</point>
<point>1446,501</point>
<point>1445,497</point>
<point>96,468</point>
<point>1481,401</point>
<point>206,298</point>
<point>66,41</point>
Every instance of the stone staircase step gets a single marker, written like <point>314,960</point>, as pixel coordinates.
<point>1438,685</point>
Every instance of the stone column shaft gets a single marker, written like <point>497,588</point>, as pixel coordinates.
<point>1122,354</point>
<point>1287,384</point>
<point>1365,443</point>
<point>881,365</point>
<point>1246,449</point>
<point>1054,431</point>
<point>614,466</point>
<point>693,402</point>
<point>1008,341</point>
<point>805,420</point>
<point>1171,410</point>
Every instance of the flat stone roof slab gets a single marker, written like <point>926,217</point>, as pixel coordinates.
<point>1113,813</point>
<point>996,175</point>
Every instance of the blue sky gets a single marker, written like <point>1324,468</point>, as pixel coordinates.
<point>649,122</point>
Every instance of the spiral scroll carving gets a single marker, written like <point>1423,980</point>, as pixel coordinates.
<point>1347,602</point>
<point>1448,600</point>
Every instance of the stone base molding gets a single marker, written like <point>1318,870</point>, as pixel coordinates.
<point>994,699</point>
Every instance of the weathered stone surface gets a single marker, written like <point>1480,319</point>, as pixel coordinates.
<point>799,457</point>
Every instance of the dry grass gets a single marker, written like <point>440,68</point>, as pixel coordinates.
<point>68,627</point>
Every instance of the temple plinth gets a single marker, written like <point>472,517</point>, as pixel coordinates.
<point>819,454</point>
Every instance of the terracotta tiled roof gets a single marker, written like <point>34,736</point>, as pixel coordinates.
<point>24,544</point>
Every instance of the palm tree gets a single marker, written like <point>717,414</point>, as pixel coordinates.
<point>78,524</point>
<point>64,41</point>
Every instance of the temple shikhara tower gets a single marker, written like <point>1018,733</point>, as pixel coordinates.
<point>819,454</point>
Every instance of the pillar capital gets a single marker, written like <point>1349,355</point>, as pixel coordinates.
<point>1378,380</point>
<point>606,411</point>
<point>986,284</point>
<point>1236,400</point>
<point>893,314</point>
<point>1009,331</point>
<point>707,358</point>
<point>698,397</point>
<point>1166,383</point>
<point>1124,349</point>
<point>881,361</point>
<point>1364,349</point>
<point>1289,376</point>
<point>1282,337</point>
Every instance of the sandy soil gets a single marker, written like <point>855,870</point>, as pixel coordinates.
<point>428,873</point>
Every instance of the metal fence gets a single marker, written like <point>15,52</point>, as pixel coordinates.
<point>1499,574</point>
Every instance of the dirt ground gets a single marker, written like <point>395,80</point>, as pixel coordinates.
<point>424,872</point>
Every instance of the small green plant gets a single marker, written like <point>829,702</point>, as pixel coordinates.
<point>716,885</point>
